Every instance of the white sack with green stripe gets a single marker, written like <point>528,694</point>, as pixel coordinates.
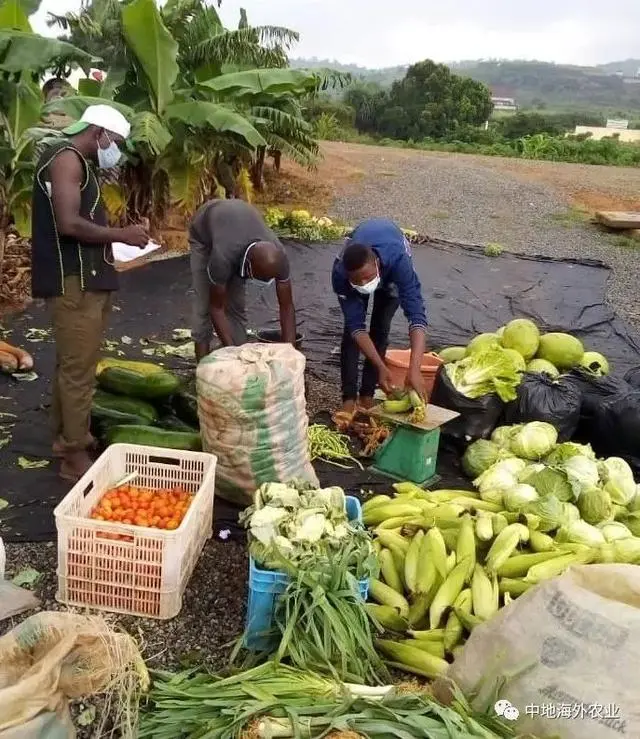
<point>253,417</point>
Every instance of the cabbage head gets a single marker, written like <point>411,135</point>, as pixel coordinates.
<point>632,522</point>
<point>627,550</point>
<point>502,434</point>
<point>481,342</point>
<point>614,530</point>
<point>569,449</point>
<point>570,512</point>
<point>618,480</point>
<point>452,354</point>
<point>517,359</point>
<point>595,363</point>
<point>582,473</point>
<point>479,456</point>
<point>550,512</point>
<point>595,505</point>
<point>550,481</point>
<point>529,471</point>
<point>523,336</point>
<point>542,367</point>
<point>534,440</point>
<point>500,476</point>
<point>580,532</point>
<point>518,498</point>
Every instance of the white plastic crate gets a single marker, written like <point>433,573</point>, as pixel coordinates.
<point>146,574</point>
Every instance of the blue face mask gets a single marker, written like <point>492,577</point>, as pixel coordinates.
<point>109,157</point>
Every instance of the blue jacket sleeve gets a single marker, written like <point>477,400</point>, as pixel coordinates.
<point>354,307</point>
<point>410,292</point>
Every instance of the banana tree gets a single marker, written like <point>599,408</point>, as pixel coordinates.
<point>24,58</point>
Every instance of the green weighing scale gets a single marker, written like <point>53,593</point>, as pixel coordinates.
<point>410,453</point>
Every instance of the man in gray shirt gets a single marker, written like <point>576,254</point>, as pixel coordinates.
<point>230,244</point>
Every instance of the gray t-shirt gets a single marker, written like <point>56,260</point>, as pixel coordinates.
<point>228,228</point>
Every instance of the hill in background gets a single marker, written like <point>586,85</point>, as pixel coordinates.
<point>613,87</point>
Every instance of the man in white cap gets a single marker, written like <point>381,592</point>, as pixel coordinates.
<point>72,268</point>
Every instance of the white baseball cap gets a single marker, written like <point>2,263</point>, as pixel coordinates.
<point>103,116</point>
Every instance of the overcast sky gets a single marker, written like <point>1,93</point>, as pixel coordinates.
<point>374,33</point>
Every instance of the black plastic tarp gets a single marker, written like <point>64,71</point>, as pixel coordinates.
<point>466,293</point>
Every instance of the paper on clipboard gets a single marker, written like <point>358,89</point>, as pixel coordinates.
<point>127,253</point>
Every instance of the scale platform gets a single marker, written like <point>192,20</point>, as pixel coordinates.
<point>411,451</point>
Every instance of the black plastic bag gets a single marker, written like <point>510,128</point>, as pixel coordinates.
<point>596,389</point>
<point>478,416</point>
<point>633,378</point>
<point>615,430</point>
<point>541,398</point>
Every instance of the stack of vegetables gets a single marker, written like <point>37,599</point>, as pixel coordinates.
<point>300,224</point>
<point>272,701</point>
<point>143,403</point>
<point>449,559</point>
<point>320,621</point>
<point>493,362</point>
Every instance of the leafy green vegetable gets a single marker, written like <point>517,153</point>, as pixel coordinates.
<point>618,480</point>
<point>502,434</point>
<point>522,335</point>
<point>614,530</point>
<point>550,481</point>
<point>542,367</point>
<point>479,456</point>
<point>595,505</point>
<point>550,511</point>
<point>519,497</point>
<point>483,372</point>
<point>582,474</point>
<point>534,440</point>
<point>580,532</point>
<point>481,343</point>
<point>569,449</point>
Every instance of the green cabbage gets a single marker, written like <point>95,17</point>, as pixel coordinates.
<point>542,367</point>
<point>523,336</point>
<point>484,372</point>
<point>550,512</point>
<point>580,532</point>
<point>618,480</point>
<point>570,512</point>
<point>452,354</point>
<point>500,331</point>
<point>500,476</point>
<point>582,473</point>
<point>518,360</point>
<point>492,496</point>
<point>627,550</point>
<point>519,497</point>
<point>632,522</point>
<point>562,350</point>
<point>595,362</point>
<point>529,471</point>
<point>595,505</point>
<point>481,342</point>
<point>569,449</point>
<point>614,530</point>
<point>534,440</point>
<point>502,434</point>
<point>549,481</point>
<point>479,456</point>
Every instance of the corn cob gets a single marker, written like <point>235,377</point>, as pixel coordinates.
<point>438,551</point>
<point>466,545</point>
<point>402,488</point>
<point>397,522</point>
<point>427,573</point>
<point>392,540</point>
<point>540,542</point>
<point>554,567</point>
<point>468,620</point>
<point>476,504</point>
<point>418,609</point>
<point>483,527</point>
<point>411,562</point>
<point>389,572</point>
<point>398,560</point>
<point>387,596</point>
<point>395,509</point>
<point>377,500</point>
<point>504,545</point>
<point>450,536</point>
<point>500,522</point>
<point>453,628</point>
<point>531,521</point>
<point>427,635</point>
<point>446,496</point>
<point>411,659</point>
<point>436,647</point>
<point>451,561</point>
<point>397,406</point>
<point>519,565</point>
<point>485,596</point>
<point>388,617</point>
<point>513,586</point>
<point>447,593</point>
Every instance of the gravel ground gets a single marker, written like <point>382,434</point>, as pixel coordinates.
<point>475,200</point>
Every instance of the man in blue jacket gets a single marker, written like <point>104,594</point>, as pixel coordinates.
<point>377,262</point>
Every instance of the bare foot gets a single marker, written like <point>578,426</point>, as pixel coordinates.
<point>366,402</point>
<point>74,465</point>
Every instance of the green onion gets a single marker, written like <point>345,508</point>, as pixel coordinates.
<point>329,445</point>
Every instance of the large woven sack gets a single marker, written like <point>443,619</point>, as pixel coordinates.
<point>565,655</point>
<point>253,417</point>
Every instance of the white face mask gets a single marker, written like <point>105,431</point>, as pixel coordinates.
<point>369,287</point>
<point>109,157</point>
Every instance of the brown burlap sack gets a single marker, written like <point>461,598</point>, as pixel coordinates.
<point>566,655</point>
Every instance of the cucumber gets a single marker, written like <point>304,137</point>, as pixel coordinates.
<point>171,422</point>
<point>136,385</point>
<point>185,406</point>
<point>121,403</point>
<point>153,436</point>
<point>144,368</point>
<point>110,416</point>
